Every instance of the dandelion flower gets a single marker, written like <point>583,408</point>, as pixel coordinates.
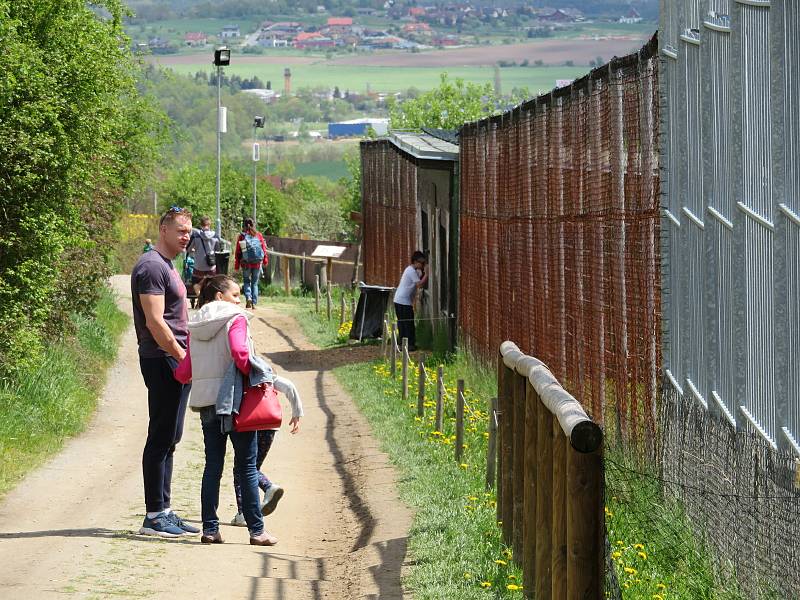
<point>630,571</point>
<point>638,547</point>
<point>513,587</point>
<point>661,586</point>
<point>642,555</point>
<point>486,584</point>
<point>501,562</point>
<point>467,575</point>
<point>508,553</point>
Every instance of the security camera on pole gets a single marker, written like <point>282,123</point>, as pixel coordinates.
<point>222,58</point>
<point>258,123</point>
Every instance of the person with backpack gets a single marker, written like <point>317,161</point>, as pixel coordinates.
<point>201,248</point>
<point>251,256</point>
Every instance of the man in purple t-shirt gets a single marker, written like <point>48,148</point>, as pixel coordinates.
<point>160,318</point>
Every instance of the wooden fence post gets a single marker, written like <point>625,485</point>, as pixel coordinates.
<point>393,351</point>
<point>585,524</point>
<point>329,299</point>
<point>491,449</point>
<point>287,283</point>
<point>506,454</point>
<point>530,484</point>
<point>343,310</point>
<point>439,399</point>
<point>501,433</point>
<point>316,293</point>
<point>544,501</point>
<point>459,420</point>
<point>404,350</point>
<point>421,390</point>
<point>384,343</point>
<point>558,569</point>
<point>518,468</point>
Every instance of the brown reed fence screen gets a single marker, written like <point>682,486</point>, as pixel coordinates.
<point>389,193</point>
<point>560,237</point>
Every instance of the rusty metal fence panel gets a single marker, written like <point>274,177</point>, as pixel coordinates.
<point>389,197</point>
<point>560,223</point>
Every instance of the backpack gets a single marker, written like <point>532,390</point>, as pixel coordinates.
<point>253,252</point>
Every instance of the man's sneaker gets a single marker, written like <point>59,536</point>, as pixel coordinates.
<point>161,526</point>
<point>265,538</point>
<point>181,524</point>
<point>272,496</point>
<point>238,520</point>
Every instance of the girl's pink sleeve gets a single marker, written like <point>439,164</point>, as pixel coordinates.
<point>240,349</point>
<point>183,373</point>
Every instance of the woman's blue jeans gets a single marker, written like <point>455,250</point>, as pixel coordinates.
<point>251,277</point>
<point>245,449</point>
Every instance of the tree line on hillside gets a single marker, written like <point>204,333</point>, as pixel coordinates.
<point>77,138</point>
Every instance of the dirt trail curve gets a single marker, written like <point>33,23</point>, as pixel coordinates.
<point>68,530</point>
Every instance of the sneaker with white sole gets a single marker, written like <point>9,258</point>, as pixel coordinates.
<point>161,526</point>
<point>181,524</point>
<point>238,520</point>
<point>272,496</point>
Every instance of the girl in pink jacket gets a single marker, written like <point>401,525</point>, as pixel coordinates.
<point>220,334</point>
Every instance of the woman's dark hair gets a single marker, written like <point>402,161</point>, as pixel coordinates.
<point>419,256</point>
<point>247,224</point>
<point>211,286</point>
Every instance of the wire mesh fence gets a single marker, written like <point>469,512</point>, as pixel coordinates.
<point>390,211</point>
<point>559,222</point>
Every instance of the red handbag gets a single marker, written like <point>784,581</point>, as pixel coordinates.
<point>260,409</point>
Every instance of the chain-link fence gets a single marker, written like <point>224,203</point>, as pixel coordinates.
<point>731,270</point>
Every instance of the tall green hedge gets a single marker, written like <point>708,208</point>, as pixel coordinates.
<point>76,138</point>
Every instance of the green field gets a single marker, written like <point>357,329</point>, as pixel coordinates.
<point>394,79</point>
<point>332,169</point>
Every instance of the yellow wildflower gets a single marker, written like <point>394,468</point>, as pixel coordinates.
<point>630,571</point>
<point>467,575</point>
<point>642,555</point>
<point>513,587</point>
<point>464,465</point>
<point>661,586</point>
<point>638,547</point>
<point>508,553</point>
<point>501,562</point>
<point>486,584</point>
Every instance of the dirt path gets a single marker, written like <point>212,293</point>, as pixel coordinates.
<point>68,530</point>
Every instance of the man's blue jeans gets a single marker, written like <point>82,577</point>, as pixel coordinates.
<point>251,277</point>
<point>245,449</point>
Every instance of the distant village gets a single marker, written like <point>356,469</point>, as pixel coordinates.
<point>421,28</point>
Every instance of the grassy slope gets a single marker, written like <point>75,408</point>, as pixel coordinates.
<point>44,407</point>
<point>657,555</point>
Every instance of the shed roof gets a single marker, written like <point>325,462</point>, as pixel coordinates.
<point>422,145</point>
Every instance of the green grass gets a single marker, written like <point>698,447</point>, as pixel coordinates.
<point>332,169</point>
<point>393,79</point>
<point>43,407</point>
<point>454,531</point>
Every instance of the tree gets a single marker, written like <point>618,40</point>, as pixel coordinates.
<point>448,106</point>
<point>77,138</point>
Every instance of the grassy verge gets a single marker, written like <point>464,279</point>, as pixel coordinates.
<point>43,407</point>
<point>455,541</point>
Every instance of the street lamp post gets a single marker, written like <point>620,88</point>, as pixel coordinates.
<point>222,58</point>
<point>258,122</point>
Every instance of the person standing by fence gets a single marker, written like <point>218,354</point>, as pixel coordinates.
<point>251,256</point>
<point>405,295</point>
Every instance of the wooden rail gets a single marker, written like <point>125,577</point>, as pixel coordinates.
<point>550,481</point>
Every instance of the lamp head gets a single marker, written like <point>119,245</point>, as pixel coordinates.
<point>222,56</point>
<point>258,122</point>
